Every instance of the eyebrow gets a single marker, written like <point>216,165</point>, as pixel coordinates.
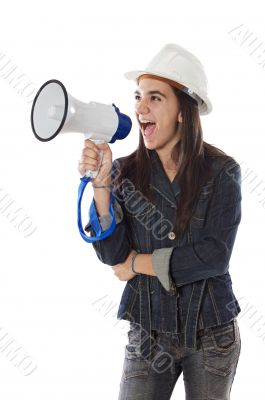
<point>152,92</point>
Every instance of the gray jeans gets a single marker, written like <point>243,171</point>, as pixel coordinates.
<point>208,371</point>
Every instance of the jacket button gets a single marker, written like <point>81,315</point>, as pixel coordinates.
<point>171,235</point>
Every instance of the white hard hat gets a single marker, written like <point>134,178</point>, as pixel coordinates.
<point>176,64</point>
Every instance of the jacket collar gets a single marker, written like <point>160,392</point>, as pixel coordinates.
<point>160,181</point>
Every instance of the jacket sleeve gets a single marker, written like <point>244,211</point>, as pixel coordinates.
<point>105,220</point>
<point>115,248</point>
<point>209,256</point>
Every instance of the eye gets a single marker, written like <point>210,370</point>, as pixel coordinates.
<point>152,97</point>
<point>155,97</point>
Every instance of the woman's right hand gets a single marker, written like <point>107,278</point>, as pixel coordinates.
<point>90,161</point>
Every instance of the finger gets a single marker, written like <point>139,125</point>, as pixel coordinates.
<point>88,152</point>
<point>89,160</point>
<point>102,146</point>
<point>90,163</point>
<point>91,145</point>
<point>83,167</point>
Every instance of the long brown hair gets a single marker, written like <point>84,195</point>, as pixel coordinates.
<point>190,153</point>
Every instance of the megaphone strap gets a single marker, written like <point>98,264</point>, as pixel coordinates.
<point>93,217</point>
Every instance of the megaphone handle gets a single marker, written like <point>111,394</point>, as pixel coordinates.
<point>93,174</point>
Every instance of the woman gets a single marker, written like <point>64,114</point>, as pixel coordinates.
<point>177,207</point>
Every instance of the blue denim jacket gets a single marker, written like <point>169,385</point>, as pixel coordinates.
<point>193,287</point>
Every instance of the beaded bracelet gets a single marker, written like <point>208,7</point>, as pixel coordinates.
<point>100,186</point>
<point>133,258</point>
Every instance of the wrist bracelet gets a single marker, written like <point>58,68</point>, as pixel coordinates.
<point>133,258</point>
<point>101,186</point>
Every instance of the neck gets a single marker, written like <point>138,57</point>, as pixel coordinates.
<point>166,160</point>
<point>164,154</point>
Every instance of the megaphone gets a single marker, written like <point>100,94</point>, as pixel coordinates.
<point>55,111</point>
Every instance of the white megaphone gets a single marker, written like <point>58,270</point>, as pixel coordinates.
<point>55,111</point>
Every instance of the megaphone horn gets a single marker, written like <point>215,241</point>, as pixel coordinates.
<point>55,111</point>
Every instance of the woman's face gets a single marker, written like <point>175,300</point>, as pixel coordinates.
<point>155,101</point>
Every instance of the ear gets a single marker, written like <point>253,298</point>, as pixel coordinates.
<point>180,117</point>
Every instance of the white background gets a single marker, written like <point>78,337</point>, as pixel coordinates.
<point>51,281</point>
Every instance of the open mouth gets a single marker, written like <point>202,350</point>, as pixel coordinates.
<point>148,127</point>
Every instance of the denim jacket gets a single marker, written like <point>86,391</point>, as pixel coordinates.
<point>193,288</point>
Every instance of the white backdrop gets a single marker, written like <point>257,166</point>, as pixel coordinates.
<point>58,302</point>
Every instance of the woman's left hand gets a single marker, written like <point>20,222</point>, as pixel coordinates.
<point>124,271</point>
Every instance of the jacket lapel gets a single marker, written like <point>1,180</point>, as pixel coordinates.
<point>160,181</point>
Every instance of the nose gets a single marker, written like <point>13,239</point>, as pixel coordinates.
<point>141,107</point>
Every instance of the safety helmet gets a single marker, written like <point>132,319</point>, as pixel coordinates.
<point>179,67</point>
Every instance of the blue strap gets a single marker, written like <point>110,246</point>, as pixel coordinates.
<point>93,217</point>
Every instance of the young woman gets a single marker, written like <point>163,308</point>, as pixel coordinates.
<point>177,208</point>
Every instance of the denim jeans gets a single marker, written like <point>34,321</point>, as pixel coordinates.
<point>208,371</point>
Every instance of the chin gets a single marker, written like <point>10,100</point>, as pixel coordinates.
<point>150,145</point>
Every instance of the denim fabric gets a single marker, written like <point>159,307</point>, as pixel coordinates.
<point>198,293</point>
<point>208,371</point>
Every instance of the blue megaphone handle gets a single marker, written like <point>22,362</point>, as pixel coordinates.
<point>93,217</point>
